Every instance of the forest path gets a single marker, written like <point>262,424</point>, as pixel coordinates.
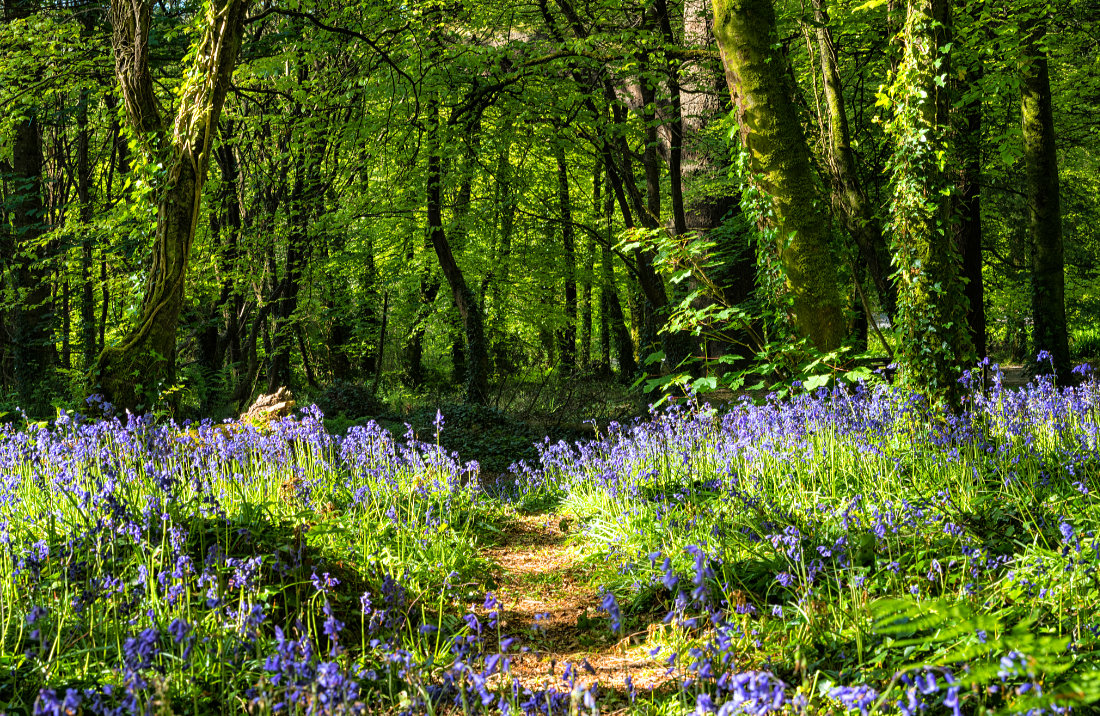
<point>554,611</point>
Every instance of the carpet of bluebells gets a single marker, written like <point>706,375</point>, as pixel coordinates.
<point>851,550</point>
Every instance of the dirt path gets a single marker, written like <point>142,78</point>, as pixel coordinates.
<point>553,611</point>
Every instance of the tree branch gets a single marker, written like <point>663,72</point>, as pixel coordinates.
<point>349,33</point>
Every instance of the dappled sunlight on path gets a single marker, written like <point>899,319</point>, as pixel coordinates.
<point>554,613</point>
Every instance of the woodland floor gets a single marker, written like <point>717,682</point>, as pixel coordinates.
<point>552,607</point>
<point>553,610</point>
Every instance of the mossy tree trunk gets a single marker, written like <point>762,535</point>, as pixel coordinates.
<point>1048,310</point>
<point>129,372</point>
<point>849,198</point>
<point>931,303</point>
<point>759,79</point>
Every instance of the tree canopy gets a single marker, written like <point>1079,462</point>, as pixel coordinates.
<point>203,201</point>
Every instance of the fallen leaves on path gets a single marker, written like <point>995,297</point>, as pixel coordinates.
<point>554,613</point>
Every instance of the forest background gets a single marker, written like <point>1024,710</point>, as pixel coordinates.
<point>379,205</point>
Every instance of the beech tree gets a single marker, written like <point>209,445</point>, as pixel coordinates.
<point>1044,218</point>
<point>758,76</point>
<point>129,371</point>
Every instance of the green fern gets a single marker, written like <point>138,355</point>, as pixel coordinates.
<point>950,635</point>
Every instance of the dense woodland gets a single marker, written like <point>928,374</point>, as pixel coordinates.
<point>202,202</point>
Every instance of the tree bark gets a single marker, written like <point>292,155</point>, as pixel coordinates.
<point>87,247</point>
<point>305,206</point>
<point>706,161</point>
<point>1048,311</point>
<point>567,337</point>
<point>477,374</point>
<point>131,372</point>
<point>585,356</point>
<point>624,345</point>
<point>230,300</point>
<point>675,124</point>
<point>968,234</point>
<point>506,211</point>
<point>759,80</point>
<point>848,196</point>
<point>931,304</point>
<point>34,352</point>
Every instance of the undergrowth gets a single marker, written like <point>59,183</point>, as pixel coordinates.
<point>841,550</point>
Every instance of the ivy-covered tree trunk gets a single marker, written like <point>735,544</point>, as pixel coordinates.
<point>931,303</point>
<point>759,79</point>
<point>129,372</point>
<point>1048,310</point>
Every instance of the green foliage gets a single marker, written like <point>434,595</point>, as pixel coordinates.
<point>348,399</point>
<point>931,306</point>
<point>478,432</point>
<point>1085,344</point>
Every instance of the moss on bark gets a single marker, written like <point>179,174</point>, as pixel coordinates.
<point>759,80</point>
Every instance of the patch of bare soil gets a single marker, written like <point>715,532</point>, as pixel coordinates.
<point>554,613</point>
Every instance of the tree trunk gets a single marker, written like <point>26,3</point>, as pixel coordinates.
<point>931,304</point>
<point>706,161</point>
<point>477,374</point>
<point>230,300</point>
<point>506,211</point>
<point>624,345</point>
<point>120,159</point>
<point>414,346</point>
<point>675,124</point>
<point>84,196</point>
<point>567,337</point>
<point>1048,310</point>
<point>848,196</point>
<point>34,355</point>
<point>968,234</point>
<point>305,197</point>
<point>130,372</point>
<point>339,301</point>
<point>602,213</point>
<point>34,352</point>
<point>585,358</point>
<point>759,80</point>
